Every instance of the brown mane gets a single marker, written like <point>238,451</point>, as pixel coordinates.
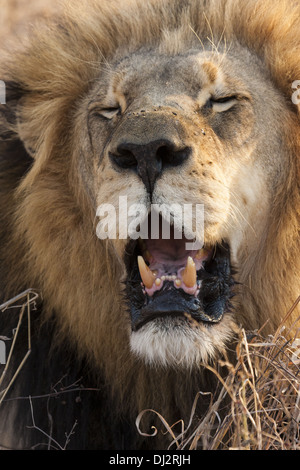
<point>51,242</point>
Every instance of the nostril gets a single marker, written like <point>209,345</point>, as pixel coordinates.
<point>149,159</point>
<point>172,157</point>
<point>123,158</point>
<point>164,153</point>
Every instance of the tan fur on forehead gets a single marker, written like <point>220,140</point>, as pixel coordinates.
<point>211,71</point>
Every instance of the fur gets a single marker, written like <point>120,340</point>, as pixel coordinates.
<point>48,228</point>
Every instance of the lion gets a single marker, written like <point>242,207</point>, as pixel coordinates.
<point>165,105</point>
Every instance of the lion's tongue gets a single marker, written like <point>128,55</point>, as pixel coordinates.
<point>168,253</point>
<point>170,261</point>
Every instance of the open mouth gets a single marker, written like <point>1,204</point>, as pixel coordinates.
<point>164,279</point>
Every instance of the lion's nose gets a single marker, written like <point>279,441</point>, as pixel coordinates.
<point>149,160</point>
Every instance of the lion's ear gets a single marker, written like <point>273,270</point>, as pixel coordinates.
<point>11,143</point>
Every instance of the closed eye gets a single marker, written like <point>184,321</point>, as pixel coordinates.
<point>108,113</point>
<point>222,104</point>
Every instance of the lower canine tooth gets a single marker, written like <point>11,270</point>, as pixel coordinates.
<point>147,275</point>
<point>189,275</point>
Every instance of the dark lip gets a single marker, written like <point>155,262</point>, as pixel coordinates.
<point>208,307</point>
<point>170,302</point>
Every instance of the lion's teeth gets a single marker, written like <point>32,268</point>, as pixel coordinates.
<point>147,275</point>
<point>189,275</point>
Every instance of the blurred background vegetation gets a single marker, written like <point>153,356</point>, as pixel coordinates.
<point>15,15</point>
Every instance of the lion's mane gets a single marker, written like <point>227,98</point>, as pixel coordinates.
<point>47,232</point>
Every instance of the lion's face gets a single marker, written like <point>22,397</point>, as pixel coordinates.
<point>177,133</point>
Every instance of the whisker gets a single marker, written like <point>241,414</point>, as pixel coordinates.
<point>199,39</point>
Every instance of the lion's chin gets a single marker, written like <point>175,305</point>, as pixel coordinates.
<point>178,342</point>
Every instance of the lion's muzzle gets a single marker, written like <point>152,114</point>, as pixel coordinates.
<point>148,142</point>
<point>166,280</point>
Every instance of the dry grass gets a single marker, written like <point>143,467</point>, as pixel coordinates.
<point>25,301</point>
<point>262,395</point>
<point>257,406</point>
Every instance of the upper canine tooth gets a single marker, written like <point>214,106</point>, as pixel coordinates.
<point>147,275</point>
<point>189,275</point>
